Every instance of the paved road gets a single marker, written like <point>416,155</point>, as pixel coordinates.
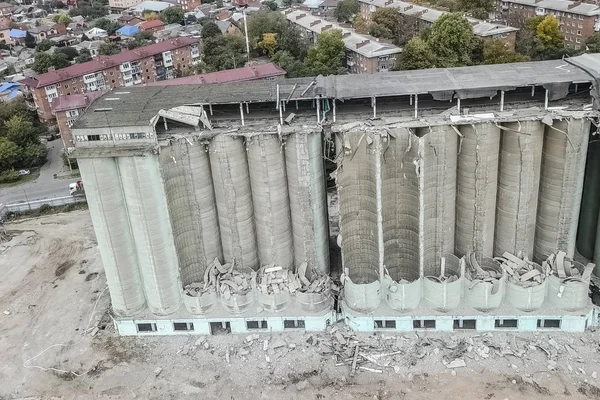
<point>45,186</point>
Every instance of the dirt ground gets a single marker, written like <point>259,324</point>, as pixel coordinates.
<point>52,300</point>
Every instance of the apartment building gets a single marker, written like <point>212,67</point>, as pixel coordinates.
<point>68,109</point>
<point>117,6</point>
<point>424,17</point>
<point>364,53</point>
<point>578,21</point>
<point>156,62</point>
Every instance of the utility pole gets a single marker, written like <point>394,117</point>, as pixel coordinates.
<point>246,31</point>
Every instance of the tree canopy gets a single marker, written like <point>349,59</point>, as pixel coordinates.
<point>43,61</point>
<point>497,52</point>
<point>477,8</point>
<point>109,49</point>
<point>90,10</point>
<point>327,56</point>
<point>541,38</point>
<point>451,39</point>
<point>109,26</point>
<point>172,15</point>
<point>210,30</point>
<point>416,55</point>
<point>44,45</point>
<point>593,43</point>
<point>346,10</point>
<point>19,143</point>
<point>224,52</point>
<point>84,56</point>
<point>70,52</point>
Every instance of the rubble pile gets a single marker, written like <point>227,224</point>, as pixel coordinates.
<point>445,276</point>
<point>274,279</point>
<point>320,282</point>
<point>565,269</point>
<point>221,278</point>
<point>475,273</point>
<point>522,271</point>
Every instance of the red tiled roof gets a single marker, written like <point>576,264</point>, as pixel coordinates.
<point>229,75</point>
<point>103,62</point>
<point>151,24</point>
<point>75,101</point>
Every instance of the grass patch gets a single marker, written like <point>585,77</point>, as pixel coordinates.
<point>24,179</point>
<point>44,210</point>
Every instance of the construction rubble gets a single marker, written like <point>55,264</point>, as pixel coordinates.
<point>274,279</point>
<point>566,269</point>
<point>522,271</point>
<point>223,279</point>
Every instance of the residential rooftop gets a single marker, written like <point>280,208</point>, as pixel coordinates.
<point>364,45</point>
<point>567,6</point>
<point>103,62</point>
<point>480,28</point>
<point>122,107</point>
<point>262,71</point>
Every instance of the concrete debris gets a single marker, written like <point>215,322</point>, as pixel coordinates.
<point>157,371</point>
<point>475,273</point>
<point>6,312</point>
<point>252,337</point>
<point>199,342</point>
<point>522,271</point>
<point>566,269</point>
<point>224,279</point>
<point>456,364</point>
<point>273,279</point>
<point>594,375</point>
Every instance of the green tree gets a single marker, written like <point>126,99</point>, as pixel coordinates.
<point>43,61</point>
<point>326,57</point>
<point>388,18</point>
<point>109,26</point>
<point>293,66</point>
<point>271,5</point>
<point>62,19</point>
<point>141,39</point>
<point>380,31</point>
<point>224,52</point>
<point>29,41</point>
<point>210,30</point>
<point>592,44</point>
<point>172,15</point>
<point>287,3</point>
<point>89,9</point>
<point>541,39</point>
<point>70,52</point>
<point>268,44</point>
<point>109,49</point>
<point>10,154</point>
<point>497,52</point>
<point>451,39</point>
<point>292,41</point>
<point>84,56</point>
<point>20,130</point>
<point>360,25</point>
<point>346,10</point>
<point>265,22</point>
<point>44,45</point>
<point>416,55</point>
<point>477,8</point>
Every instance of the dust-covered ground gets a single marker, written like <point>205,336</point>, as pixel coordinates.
<point>53,301</point>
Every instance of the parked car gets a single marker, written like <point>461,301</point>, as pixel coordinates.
<point>24,172</point>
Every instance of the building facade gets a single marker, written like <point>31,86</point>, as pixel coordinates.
<point>418,18</point>
<point>364,53</point>
<point>156,62</point>
<point>578,21</point>
<point>68,109</point>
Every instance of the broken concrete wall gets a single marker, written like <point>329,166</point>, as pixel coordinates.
<point>185,168</point>
<point>272,217</point>
<point>234,200</point>
<point>357,186</point>
<point>149,217</point>
<point>518,186</point>
<point>561,184</point>
<point>308,204</point>
<point>401,205</point>
<point>476,189</point>
<point>439,147</point>
<point>108,210</point>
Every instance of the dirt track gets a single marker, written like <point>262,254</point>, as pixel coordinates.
<point>50,280</point>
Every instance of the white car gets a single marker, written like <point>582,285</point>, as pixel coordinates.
<point>24,172</point>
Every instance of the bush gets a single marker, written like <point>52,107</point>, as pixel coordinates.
<point>9,176</point>
<point>66,159</point>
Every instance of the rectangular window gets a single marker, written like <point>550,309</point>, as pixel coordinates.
<point>143,327</point>
<point>293,324</point>
<point>183,326</point>
<point>506,323</point>
<point>424,324</point>
<point>548,323</point>
<point>465,324</point>
<point>578,33</point>
<point>257,325</point>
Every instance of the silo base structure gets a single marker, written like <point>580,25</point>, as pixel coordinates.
<point>290,204</point>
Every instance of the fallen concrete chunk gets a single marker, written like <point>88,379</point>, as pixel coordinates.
<point>458,363</point>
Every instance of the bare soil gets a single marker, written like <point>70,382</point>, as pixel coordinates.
<point>53,300</point>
